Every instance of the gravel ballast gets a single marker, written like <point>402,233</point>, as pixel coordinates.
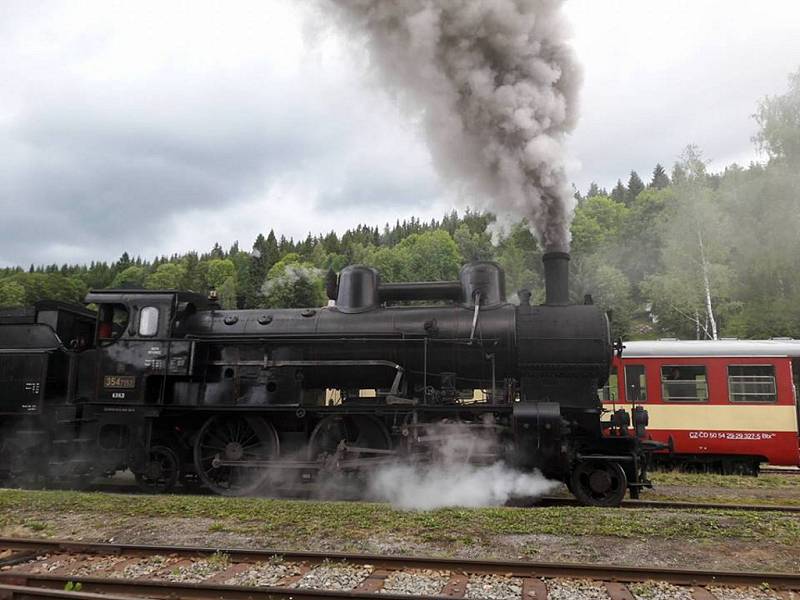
<point>659,590</point>
<point>418,581</point>
<point>494,587</point>
<point>334,577</point>
<point>145,567</point>
<point>743,593</point>
<point>576,589</point>
<point>198,571</point>
<point>266,574</point>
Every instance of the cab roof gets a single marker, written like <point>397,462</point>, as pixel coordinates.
<point>126,295</point>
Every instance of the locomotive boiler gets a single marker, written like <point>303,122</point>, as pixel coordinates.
<point>171,386</point>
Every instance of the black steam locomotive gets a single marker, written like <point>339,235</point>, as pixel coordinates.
<point>170,386</point>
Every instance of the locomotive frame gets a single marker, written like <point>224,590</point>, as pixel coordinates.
<point>174,388</point>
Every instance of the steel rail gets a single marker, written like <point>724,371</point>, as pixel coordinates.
<point>20,592</point>
<point>779,471</point>
<point>97,588</point>
<point>513,567</point>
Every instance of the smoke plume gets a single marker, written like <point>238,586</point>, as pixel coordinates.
<point>496,84</point>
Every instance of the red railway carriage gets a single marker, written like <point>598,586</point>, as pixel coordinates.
<point>723,405</point>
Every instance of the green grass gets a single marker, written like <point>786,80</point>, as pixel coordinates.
<point>296,522</point>
<point>35,525</point>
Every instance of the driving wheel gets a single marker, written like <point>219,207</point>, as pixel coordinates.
<point>599,483</point>
<point>234,439</point>
<point>356,431</point>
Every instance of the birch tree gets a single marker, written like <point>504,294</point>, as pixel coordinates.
<point>694,287</point>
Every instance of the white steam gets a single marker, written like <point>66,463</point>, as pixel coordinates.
<point>290,276</point>
<point>463,469</point>
<point>436,486</point>
<point>496,84</point>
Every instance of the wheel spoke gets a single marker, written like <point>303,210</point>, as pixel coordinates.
<point>253,436</point>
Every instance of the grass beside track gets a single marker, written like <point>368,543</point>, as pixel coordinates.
<point>298,520</point>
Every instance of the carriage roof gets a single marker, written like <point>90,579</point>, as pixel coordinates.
<point>716,348</point>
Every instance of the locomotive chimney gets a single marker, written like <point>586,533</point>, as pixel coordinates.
<point>556,277</point>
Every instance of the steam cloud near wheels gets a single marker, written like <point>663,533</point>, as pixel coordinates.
<point>496,85</point>
<point>451,477</point>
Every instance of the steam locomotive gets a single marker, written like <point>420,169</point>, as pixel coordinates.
<point>169,385</point>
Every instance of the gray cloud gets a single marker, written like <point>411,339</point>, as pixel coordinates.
<point>98,165</point>
<point>155,128</point>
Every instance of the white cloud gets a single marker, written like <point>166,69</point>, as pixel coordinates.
<point>661,75</point>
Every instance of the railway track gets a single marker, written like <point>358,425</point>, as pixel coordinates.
<point>780,471</point>
<point>669,504</point>
<point>44,569</point>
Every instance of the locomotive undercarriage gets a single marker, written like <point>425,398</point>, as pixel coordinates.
<point>237,453</point>
<point>303,450</point>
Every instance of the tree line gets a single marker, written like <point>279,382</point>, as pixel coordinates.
<point>685,253</point>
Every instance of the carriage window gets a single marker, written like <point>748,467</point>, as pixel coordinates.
<point>635,383</point>
<point>684,383</point>
<point>751,383</point>
<point>148,321</point>
<point>608,393</point>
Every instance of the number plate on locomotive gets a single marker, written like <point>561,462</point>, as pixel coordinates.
<point>119,382</point>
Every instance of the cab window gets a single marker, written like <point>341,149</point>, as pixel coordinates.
<point>113,319</point>
<point>608,393</point>
<point>635,383</point>
<point>751,383</point>
<point>148,321</point>
<point>684,383</point>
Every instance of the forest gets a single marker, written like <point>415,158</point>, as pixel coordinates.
<point>683,252</point>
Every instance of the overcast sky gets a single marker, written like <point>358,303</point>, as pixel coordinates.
<point>159,127</point>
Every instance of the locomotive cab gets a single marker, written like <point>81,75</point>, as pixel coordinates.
<point>136,342</point>
<point>136,353</point>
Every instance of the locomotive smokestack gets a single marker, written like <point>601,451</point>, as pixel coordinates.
<point>556,277</point>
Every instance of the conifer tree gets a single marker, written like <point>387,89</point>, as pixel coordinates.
<point>272,252</point>
<point>660,179</point>
<point>635,186</point>
<point>216,251</point>
<point>619,193</point>
<point>594,190</point>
